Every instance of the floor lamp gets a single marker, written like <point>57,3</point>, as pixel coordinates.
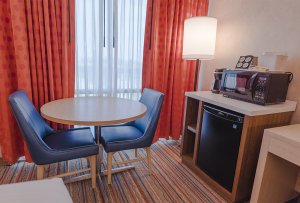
<point>199,39</point>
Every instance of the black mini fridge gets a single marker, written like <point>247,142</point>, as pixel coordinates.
<point>219,143</point>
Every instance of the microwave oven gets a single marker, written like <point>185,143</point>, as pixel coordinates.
<point>256,87</point>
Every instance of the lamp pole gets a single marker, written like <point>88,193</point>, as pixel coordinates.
<point>196,75</point>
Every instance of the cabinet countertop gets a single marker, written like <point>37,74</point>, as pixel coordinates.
<point>246,108</point>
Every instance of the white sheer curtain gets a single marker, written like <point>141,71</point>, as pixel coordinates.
<point>109,47</point>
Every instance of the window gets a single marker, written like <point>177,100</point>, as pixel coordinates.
<point>109,47</point>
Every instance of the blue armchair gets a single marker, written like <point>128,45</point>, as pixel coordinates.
<point>48,146</point>
<point>135,134</point>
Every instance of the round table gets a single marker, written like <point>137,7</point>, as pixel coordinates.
<point>93,111</point>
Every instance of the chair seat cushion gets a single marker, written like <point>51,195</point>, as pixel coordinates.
<point>70,144</point>
<point>117,138</point>
<point>72,138</point>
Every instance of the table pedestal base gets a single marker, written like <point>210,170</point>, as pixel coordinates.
<point>77,178</point>
<point>102,173</point>
<point>117,170</point>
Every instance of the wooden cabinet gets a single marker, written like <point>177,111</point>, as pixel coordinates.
<point>258,119</point>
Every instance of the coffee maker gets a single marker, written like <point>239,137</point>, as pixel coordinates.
<point>216,83</point>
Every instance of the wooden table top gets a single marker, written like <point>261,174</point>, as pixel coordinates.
<point>93,111</point>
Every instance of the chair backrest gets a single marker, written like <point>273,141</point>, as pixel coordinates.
<point>31,124</point>
<point>153,100</point>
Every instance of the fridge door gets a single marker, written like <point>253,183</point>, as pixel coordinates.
<point>219,144</point>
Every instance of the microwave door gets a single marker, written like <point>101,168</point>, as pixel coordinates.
<point>239,82</point>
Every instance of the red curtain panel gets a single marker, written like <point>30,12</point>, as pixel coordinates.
<point>163,66</point>
<point>36,54</point>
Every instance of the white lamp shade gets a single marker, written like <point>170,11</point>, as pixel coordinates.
<point>199,38</point>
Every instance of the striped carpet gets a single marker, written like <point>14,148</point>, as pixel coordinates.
<point>171,180</point>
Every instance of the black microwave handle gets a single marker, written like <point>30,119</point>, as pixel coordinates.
<point>251,81</point>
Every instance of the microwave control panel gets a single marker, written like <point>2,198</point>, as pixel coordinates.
<point>260,89</point>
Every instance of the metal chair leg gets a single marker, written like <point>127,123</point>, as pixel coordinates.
<point>67,166</point>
